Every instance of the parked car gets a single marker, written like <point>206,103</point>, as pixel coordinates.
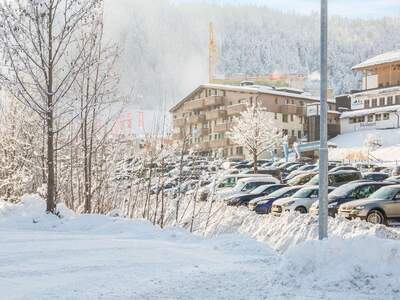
<point>275,172</point>
<point>244,198</point>
<point>348,192</point>
<point>301,201</point>
<point>224,182</point>
<point>246,185</point>
<point>382,207</point>
<point>375,176</point>
<point>288,170</point>
<point>263,205</point>
<point>394,179</point>
<point>285,165</point>
<point>301,179</point>
<point>343,168</point>
<point>301,170</point>
<point>338,178</point>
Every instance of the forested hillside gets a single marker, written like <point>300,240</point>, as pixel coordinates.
<point>165,47</point>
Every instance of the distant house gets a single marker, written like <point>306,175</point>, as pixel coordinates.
<point>377,105</point>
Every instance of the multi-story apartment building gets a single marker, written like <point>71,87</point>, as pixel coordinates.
<point>205,116</point>
<point>377,105</point>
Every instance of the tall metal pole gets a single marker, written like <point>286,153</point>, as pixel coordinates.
<point>323,150</point>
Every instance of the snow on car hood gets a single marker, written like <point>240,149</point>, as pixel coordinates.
<point>283,201</point>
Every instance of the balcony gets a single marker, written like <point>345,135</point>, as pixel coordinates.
<point>216,114</point>
<point>194,104</point>
<point>300,111</point>
<point>196,119</point>
<point>219,143</point>
<point>288,109</point>
<point>204,131</point>
<point>214,100</point>
<point>222,127</point>
<point>235,109</point>
<point>204,146</point>
<point>179,122</point>
<point>177,136</point>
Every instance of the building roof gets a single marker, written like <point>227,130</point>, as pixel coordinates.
<point>255,89</point>
<point>363,112</point>
<point>385,58</point>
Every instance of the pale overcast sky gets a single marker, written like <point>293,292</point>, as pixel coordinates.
<point>350,8</point>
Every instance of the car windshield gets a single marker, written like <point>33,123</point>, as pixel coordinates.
<point>280,192</point>
<point>385,193</point>
<point>343,190</point>
<point>260,189</point>
<point>303,193</point>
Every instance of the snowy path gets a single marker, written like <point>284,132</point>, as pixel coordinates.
<point>48,265</point>
<point>98,257</point>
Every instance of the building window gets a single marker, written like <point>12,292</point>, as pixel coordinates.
<point>386,116</point>
<point>390,100</point>
<point>366,103</point>
<point>381,101</point>
<point>291,118</point>
<point>301,103</point>
<point>276,100</point>
<point>374,102</point>
<point>301,120</point>
<point>299,134</point>
<point>287,101</point>
<point>398,99</point>
<point>293,133</point>
<point>378,117</point>
<point>276,116</point>
<point>284,118</point>
<point>361,119</point>
<point>239,151</point>
<point>370,118</point>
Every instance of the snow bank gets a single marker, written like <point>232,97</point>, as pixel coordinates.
<point>279,233</point>
<point>362,264</point>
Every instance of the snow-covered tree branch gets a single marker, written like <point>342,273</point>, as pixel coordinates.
<point>255,130</point>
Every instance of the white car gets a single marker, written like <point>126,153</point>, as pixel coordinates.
<point>246,185</point>
<point>301,201</point>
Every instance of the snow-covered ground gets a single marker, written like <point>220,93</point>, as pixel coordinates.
<point>355,141</point>
<point>387,137</point>
<point>100,257</point>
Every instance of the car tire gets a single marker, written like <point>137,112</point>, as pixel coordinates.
<point>376,217</point>
<point>301,209</point>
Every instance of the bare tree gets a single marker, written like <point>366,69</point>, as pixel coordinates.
<point>44,47</point>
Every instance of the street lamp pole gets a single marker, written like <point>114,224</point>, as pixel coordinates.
<point>323,151</point>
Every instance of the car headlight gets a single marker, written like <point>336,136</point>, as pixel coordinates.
<point>361,207</point>
<point>332,205</point>
<point>288,203</point>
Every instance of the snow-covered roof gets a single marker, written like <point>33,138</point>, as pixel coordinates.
<point>380,59</point>
<point>256,89</point>
<point>363,112</point>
